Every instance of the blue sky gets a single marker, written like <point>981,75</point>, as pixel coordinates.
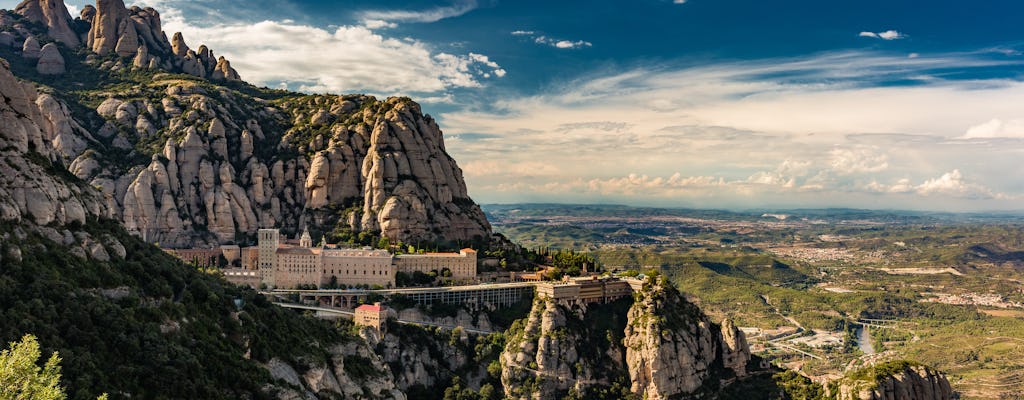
<point>702,103</point>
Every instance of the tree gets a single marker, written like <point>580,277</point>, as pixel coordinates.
<point>22,379</point>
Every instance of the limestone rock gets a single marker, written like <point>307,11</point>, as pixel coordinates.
<point>54,14</point>
<point>108,25</point>
<point>735,351</point>
<point>223,71</point>
<point>178,46</point>
<point>671,346</point>
<point>905,381</point>
<point>27,191</point>
<point>50,61</point>
<point>30,48</point>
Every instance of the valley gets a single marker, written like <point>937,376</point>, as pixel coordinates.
<point>810,287</point>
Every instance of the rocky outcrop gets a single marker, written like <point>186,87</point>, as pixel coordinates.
<point>349,161</point>
<point>893,380</point>
<point>182,164</point>
<point>421,357</point>
<point>54,14</point>
<point>333,378</point>
<point>36,135</point>
<point>539,361</point>
<point>563,348</point>
<point>50,61</point>
<point>735,351</point>
<point>30,48</point>
<point>672,348</point>
<point>136,35</point>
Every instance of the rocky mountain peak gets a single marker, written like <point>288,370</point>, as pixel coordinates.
<point>54,14</point>
<point>133,33</point>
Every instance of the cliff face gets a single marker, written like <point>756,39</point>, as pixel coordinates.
<point>672,348</point>
<point>187,162</point>
<point>351,371</point>
<point>658,346</point>
<point>349,162</point>
<point>894,380</point>
<point>540,359</point>
<point>34,131</point>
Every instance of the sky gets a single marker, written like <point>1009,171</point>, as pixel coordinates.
<point>738,104</point>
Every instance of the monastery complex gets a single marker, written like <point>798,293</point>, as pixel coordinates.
<point>280,263</point>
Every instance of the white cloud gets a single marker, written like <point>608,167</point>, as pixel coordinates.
<point>949,184</point>
<point>556,43</point>
<point>345,59</point>
<point>678,1</point>
<point>821,134</point>
<point>378,24</point>
<point>996,128</point>
<point>886,35</point>
<point>566,44</point>
<point>423,16</point>
<point>848,161</point>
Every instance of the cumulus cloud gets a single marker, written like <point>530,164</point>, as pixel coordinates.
<point>996,128</point>
<point>886,35</point>
<point>422,16</point>
<point>804,130</point>
<point>342,59</point>
<point>948,184</point>
<point>848,161</point>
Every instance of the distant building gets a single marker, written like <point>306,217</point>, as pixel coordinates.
<point>462,264</point>
<point>586,290</point>
<point>284,263</point>
<point>358,267</point>
<point>375,316</point>
<point>268,242</point>
<point>203,258</point>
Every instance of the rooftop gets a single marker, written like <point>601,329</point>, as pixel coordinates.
<point>370,307</point>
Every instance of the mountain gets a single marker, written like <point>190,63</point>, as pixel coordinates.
<point>186,154</point>
<point>114,137</point>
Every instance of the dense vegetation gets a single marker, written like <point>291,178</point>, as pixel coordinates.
<point>147,326</point>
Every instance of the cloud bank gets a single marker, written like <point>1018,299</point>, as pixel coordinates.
<point>340,59</point>
<point>820,130</point>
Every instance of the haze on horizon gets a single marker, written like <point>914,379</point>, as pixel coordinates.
<point>732,104</point>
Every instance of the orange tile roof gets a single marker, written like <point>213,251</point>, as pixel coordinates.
<point>369,307</point>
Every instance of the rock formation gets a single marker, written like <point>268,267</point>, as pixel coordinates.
<point>330,378</point>
<point>672,347</point>
<point>30,49</point>
<point>893,380</point>
<point>50,60</point>
<point>735,351</point>
<point>541,360</point>
<point>35,131</point>
<point>183,165</point>
<point>660,347</point>
<point>371,165</point>
<point>54,14</point>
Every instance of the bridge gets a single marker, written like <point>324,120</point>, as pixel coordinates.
<point>498,294</point>
<point>349,314</point>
